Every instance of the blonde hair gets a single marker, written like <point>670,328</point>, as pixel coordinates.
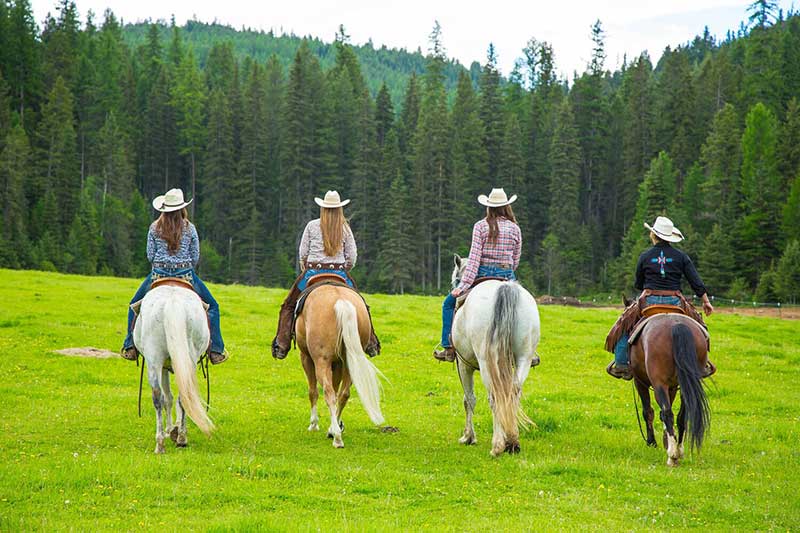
<point>333,225</point>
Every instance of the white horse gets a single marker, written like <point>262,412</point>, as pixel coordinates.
<point>173,326</point>
<point>496,332</point>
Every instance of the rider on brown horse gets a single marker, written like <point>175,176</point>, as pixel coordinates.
<point>658,276</point>
<point>327,247</point>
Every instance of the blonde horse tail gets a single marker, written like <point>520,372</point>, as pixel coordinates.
<point>500,362</point>
<point>363,373</point>
<point>175,324</point>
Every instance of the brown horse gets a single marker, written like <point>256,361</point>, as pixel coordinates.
<point>668,356</point>
<point>332,331</point>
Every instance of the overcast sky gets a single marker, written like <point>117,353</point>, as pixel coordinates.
<point>468,27</point>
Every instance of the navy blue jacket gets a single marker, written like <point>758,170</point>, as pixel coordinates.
<point>661,268</point>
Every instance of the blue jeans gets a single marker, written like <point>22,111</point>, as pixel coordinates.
<point>621,348</point>
<point>308,274</point>
<point>217,345</point>
<point>449,305</point>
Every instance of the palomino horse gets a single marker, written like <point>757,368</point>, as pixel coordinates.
<point>668,356</point>
<point>496,332</point>
<point>332,331</point>
<point>173,326</point>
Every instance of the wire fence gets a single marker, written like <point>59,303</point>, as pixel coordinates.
<point>790,309</point>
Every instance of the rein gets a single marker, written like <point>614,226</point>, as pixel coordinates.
<point>636,410</point>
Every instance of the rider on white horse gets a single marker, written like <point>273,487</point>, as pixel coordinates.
<point>173,248</point>
<point>495,252</point>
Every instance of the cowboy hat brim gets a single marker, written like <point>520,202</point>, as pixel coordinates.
<point>484,200</point>
<point>320,202</point>
<point>676,235</point>
<point>158,205</point>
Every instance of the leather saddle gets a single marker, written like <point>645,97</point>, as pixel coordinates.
<point>463,298</point>
<point>315,282</point>
<point>165,282</point>
<point>650,312</point>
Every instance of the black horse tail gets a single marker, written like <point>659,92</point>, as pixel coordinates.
<point>693,395</point>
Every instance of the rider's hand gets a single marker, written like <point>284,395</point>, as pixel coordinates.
<point>456,292</point>
<point>707,307</point>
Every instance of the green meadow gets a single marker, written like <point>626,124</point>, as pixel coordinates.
<point>76,456</point>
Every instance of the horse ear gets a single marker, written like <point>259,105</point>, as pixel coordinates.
<point>457,260</point>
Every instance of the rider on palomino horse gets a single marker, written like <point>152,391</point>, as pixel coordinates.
<point>658,276</point>
<point>327,247</point>
<point>173,249</point>
<point>494,253</point>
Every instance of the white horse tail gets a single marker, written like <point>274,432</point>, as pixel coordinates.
<point>175,323</point>
<point>500,361</point>
<point>363,373</point>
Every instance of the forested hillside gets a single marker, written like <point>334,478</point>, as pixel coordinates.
<point>378,65</point>
<point>94,124</point>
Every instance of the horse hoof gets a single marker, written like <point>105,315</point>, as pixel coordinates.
<point>338,443</point>
<point>652,443</point>
<point>672,462</point>
<point>182,441</point>
<point>313,427</point>
<point>159,449</point>
<point>468,440</point>
<point>173,434</point>
<point>512,449</point>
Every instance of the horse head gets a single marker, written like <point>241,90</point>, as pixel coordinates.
<point>459,266</point>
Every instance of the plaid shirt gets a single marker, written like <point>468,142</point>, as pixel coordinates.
<point>504,250</point>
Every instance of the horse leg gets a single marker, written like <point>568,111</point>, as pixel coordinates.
<point>670,442</point>
<point>467,376</point>
<point>325,377</point>
<point>166,404</point>
<point>153,377</point>
<point>681,424</point>
<point>647,412</point>
<point>313,392</point>
<point>498,435</point>
<point>180,421</point>
<point>344,395</point>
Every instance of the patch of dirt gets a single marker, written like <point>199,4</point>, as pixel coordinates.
<point>389,429</point>
<point>97,353</point>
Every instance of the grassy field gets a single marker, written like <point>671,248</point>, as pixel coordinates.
<point>76,455</point>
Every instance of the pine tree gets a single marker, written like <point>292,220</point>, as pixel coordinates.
<point>511,172</point>
<point>762,11</point>
<point>116,166</point>
<point>491,114</point>
<point>14,172</point>
<point>789,144</point>
<point>407,120</point>
<point>219,173</point>
<point>721,159</point>
<point>787,274</point>
<point>60,45</point>
<point>396,256</point>
<point>82,248</point>
<point>59,170</point>
<point>23,67</point>
<point>759,230</point>
<point>762,81</point>
<point>791,211</point>
<point>717,261</point>
<point>384,114</point>
<point>188,98</point>
<point>676,124</point>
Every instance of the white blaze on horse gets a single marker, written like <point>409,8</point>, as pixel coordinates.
<point>496,331</point>
<point>173,326</point>
<point>332,331</point>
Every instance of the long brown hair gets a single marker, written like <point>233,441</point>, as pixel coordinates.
<point>169,227</point>
<point>332,223</point>
<point>493,213</point>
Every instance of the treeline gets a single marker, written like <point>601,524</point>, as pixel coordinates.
<point>91,129</point>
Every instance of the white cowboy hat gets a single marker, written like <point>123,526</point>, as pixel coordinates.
<point>172,201</point>
<point>665,230</point>
<point>331,201</point>
<point>496,198</point>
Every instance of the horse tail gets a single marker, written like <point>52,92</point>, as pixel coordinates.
<point>363,373</point>
<point>500,361</point>
<point>693,395</point>
<point>175,323</point>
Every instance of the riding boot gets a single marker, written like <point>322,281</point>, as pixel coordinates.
<point>709,370</point>
<point>282,342</point>
<point>373,345</point>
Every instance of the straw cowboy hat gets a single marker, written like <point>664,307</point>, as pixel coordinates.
<point>172,201</point>
<point>665,230</point>
<point>332,200</point>
<point>496,198</point>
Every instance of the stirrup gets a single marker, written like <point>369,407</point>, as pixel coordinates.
<point>446,354</point>
<point>619,373</point>
<point>221,357</point>
<point>126,353</point>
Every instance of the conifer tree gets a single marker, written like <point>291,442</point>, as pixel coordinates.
<point>396,259</point>
<point>789,144</point>
<point>491,114</point>
<point>14,172</point>
<point>23,67</point>
<point>716,261</point>
<point>791,211</point>
<point>188,98</point>
<point>219,172</point>
<point>759,230</point>
<point>787,274</point>
<point>721,159</point>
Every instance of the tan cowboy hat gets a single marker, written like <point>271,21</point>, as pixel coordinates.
<point>332,200</point>
<point>172,201</point>
<point>665,230</point>
<point>496,198</point>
